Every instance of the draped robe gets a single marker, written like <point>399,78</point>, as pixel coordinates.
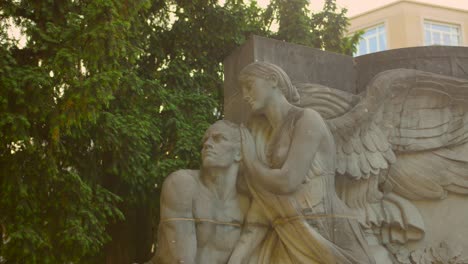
<point>311,225</point>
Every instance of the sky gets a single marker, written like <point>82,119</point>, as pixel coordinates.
<point>356,7</point>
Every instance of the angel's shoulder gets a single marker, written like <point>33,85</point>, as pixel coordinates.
<point>311,114</point>
<point>310,118</point>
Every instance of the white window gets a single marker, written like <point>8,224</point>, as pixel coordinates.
<point>374,39</point>
<point>436,33</point>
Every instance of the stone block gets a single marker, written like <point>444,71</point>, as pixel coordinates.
<point>451,61</point>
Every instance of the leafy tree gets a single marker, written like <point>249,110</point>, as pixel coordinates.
<point>329,28</point>
<point>294,21</point>
<point>323,30</point>
<point>62,140</point>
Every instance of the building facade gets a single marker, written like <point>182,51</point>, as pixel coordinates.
<point>408,23</point>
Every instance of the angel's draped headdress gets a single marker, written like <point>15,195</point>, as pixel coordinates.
<point>266,70</point>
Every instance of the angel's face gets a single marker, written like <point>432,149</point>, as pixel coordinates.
<point>257,92</point>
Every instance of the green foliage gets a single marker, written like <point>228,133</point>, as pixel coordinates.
<point>323,30</point>
<point>294,21</point>
<point>54,205</point>
<point>106,98</point>
<point>330,28</point>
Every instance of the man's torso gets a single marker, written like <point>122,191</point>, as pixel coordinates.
<point>218,225</point>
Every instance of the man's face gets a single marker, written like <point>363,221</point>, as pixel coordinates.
<point>219,148</point>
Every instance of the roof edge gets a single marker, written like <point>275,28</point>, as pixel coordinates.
<point>408,1</point>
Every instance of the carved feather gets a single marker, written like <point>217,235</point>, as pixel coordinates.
<point>356,143</point>
<point>364,165</point>
<point>341,162</point>
<point>379,141</point>
<point>348,147</point>
<point>353,165</point>
<point>368,142</point>
<point>389,155</point>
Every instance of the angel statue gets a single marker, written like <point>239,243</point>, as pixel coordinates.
<point>403,139</point>
<point>290,161</point>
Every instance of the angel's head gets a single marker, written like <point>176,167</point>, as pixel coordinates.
<point>259,81</point>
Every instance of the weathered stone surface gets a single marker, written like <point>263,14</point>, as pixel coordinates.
<point>451,61</point>
<point>446,222</point>
<point>235,109</point>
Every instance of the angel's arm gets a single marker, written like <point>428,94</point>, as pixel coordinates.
<point>253,233</point>
<point>308,134</point>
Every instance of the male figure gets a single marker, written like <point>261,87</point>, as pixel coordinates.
<point>201,211</point>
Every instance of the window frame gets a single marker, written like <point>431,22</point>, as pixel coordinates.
<point>377,35</point>
<point>449,24</point>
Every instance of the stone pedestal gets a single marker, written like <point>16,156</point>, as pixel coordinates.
<point>451,61</point>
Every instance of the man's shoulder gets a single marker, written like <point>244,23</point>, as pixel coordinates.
<point>179,188</point>
<point>182,177</point>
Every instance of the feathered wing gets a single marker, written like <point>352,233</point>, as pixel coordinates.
<point>423,119</point>
<point>329,102</point>
<point>363,153</point>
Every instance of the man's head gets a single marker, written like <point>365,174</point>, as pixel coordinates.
<point>221,145</point>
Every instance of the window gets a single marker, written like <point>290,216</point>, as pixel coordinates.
<point>374,39</point>
<point>436,33</point>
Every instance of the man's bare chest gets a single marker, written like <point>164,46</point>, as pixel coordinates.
<point>218,222</point>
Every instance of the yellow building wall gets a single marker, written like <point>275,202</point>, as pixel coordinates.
<point>404,22</point>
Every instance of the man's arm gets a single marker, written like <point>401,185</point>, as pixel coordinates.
<point>177,241</point>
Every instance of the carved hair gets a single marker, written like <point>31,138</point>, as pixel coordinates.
<point>266,70</point>
<point>234,131</point>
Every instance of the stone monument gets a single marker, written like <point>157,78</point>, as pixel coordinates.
<point>341,160</point>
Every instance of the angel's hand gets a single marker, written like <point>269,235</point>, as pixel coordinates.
<point>249,155</point>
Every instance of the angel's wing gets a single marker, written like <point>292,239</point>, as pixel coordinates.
<point>360,147</point>
<point>421,117</point>
<point>329,102</point>
<point>427,119</point>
